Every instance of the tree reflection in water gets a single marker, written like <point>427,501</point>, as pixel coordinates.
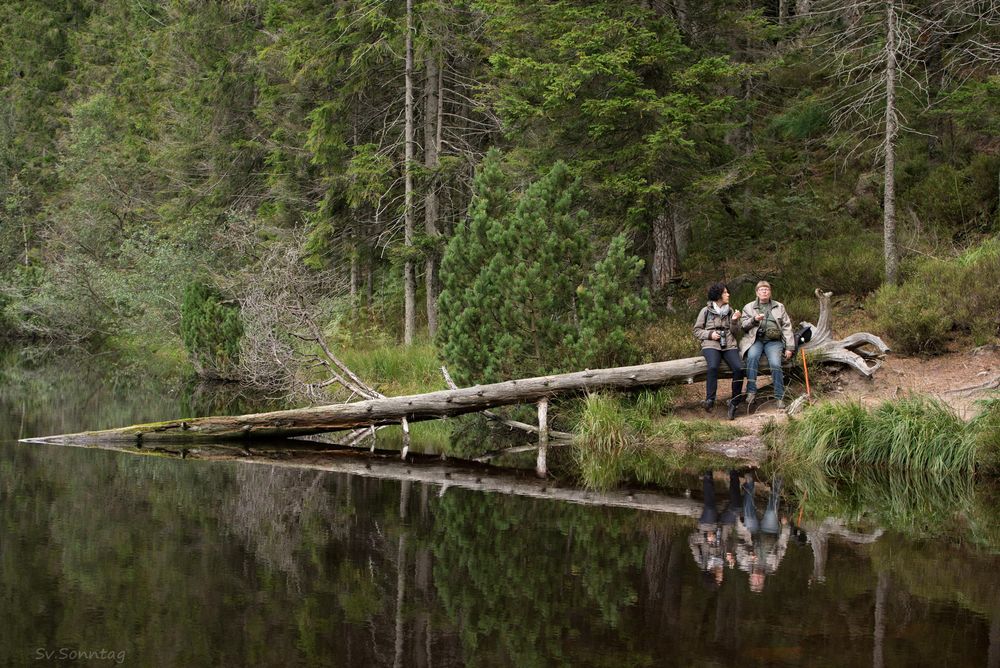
<point>194,563</point>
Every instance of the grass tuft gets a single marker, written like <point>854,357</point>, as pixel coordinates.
<point>622,439</point>
<point>913,433</point>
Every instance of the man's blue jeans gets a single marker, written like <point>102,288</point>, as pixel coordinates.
<point>774,351</point>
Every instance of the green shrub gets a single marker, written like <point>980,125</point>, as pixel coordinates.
<point>973,290</point>
<point>957,199</point>
<point>917,319</point>
<point>668,338</point>
<point>941,296</point>
<point>845,264</point>
<point>211,330</point>
<point>521,293</point>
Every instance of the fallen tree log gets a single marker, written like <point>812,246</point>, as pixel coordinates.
<point>446,403</point>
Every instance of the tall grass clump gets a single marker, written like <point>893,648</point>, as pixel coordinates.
<point>606,440</point>
<point>913,433</point>
<point>985,428</point>
<point>626,439</point>
<point>394,369</point>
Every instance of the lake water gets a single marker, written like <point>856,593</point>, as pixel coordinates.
<point>110,558</point>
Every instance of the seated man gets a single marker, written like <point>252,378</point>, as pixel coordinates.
<point>768,330</point>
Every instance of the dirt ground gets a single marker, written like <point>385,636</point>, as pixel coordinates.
<point>958,378</point>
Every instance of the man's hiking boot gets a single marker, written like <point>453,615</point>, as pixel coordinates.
<point>751,396</point>
<point>781,404</point>
<point>708,405</point>
<point>732,405</point>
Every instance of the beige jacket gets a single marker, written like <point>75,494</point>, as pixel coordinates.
<point>750,325</point>
<point>708,322</point>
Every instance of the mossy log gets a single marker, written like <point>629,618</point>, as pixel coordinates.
<point>447,403</point>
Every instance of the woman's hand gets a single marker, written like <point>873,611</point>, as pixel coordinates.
<point>715,336</point>
<point>736,314</point>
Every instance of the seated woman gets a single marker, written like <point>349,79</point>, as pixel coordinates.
<point>768,330</point>
<point>716,328</point>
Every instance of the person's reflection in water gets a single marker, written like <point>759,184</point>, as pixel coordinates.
<point>762,542</point>
<point>706,541</point>
<point>753,544</point>
<point>713,544</point>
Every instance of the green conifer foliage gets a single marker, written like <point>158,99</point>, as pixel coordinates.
<point>520,297</point>
<point>608,304</point>
<point>211,330</point>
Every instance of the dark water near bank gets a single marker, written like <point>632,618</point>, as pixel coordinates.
<point>108,558</point>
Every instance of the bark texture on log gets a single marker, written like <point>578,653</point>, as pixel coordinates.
<point>445,403</point>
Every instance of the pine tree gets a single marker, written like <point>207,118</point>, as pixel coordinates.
<point>211,329</point>
<point>519,296</point>
<point>465,329</point>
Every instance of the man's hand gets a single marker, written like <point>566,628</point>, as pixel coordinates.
<point>759,317</point>
<point>788,354</point>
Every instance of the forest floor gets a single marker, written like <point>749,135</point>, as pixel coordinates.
<point>959,378</point>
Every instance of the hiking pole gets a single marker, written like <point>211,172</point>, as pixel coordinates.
<point>803,336</point>
<point>805,368</point>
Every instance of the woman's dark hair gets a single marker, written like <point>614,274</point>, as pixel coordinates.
<point>715,291</point>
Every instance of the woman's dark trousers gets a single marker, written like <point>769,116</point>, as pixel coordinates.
<point>735,364</point>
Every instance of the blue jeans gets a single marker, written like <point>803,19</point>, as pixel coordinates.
<point>774,351</point>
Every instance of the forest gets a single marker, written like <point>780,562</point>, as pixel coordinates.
<point>508,188</point>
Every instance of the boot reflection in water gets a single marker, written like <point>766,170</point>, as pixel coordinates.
<point>705,542</point>
<point>770,522</point>
<point>759,552</point>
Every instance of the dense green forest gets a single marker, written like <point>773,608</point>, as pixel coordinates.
<point>511,186</point>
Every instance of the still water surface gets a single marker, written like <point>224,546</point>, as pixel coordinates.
<point>109,558</point>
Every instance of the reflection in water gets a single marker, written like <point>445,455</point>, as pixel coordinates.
<point>194,563</point>
<point>738,538</point>
<point>220,563</point>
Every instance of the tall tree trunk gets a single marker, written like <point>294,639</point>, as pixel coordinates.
<point>665,261</point>
<point>355,270</point>
<point>409,271</point>
<point>782,11</point>
<point>891,131</point>
<point>682,232</point>
<point>802,7</point>
<point>432,121</point>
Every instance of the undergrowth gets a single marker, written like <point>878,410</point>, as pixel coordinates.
<point>629,439</point>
